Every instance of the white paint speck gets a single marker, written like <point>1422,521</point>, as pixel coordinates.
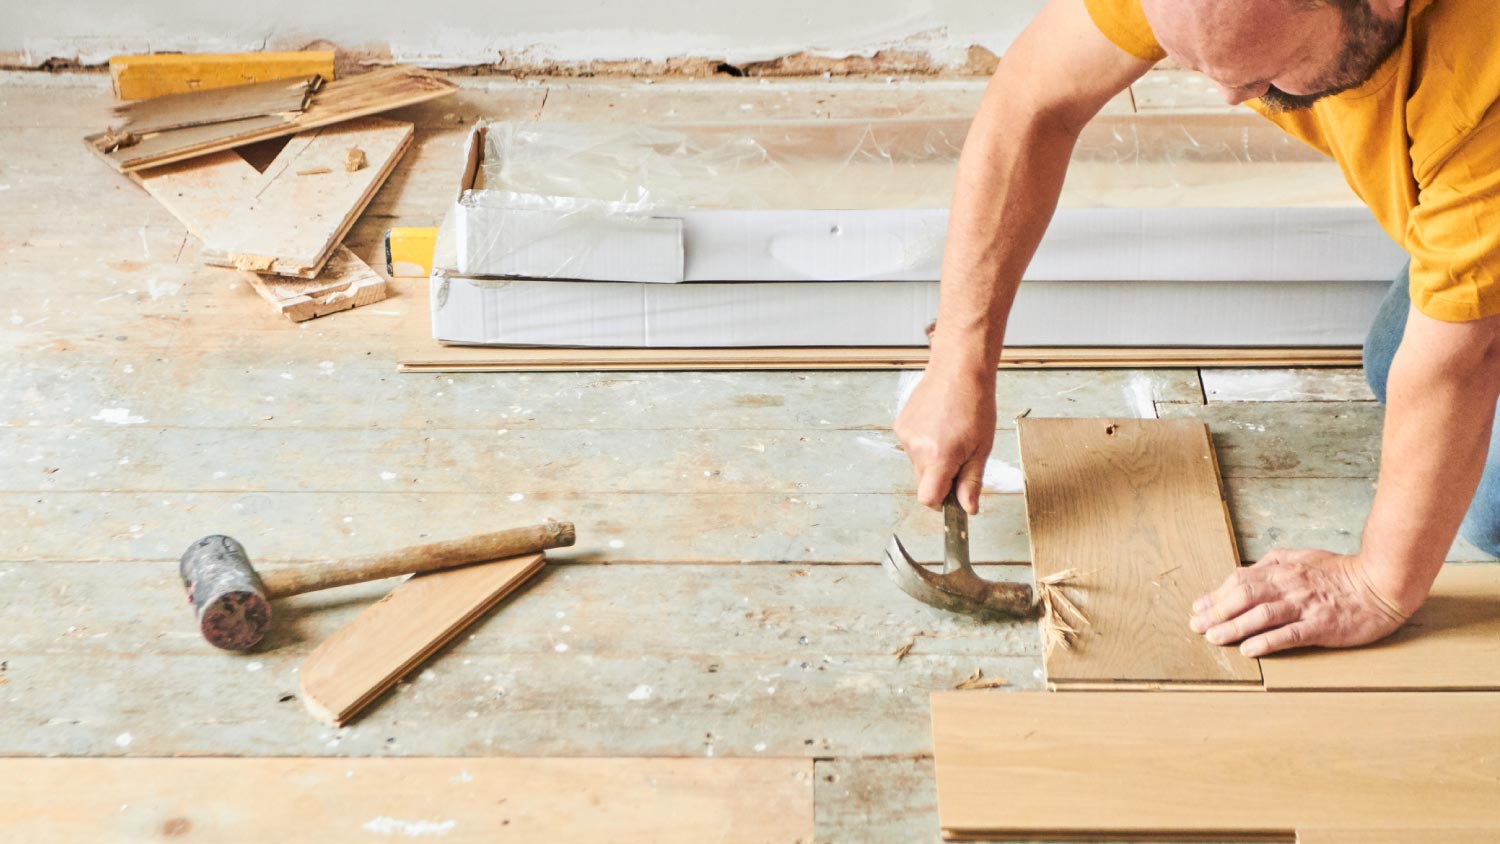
<point>383,825</point>
<point>617,543</point>
<point>561,647</point>
<point>387,476</point>
<point>471,714</point>
<point>566,628</point>
<point>1000,476</point>
<point>517,496</point>
<point>463,777</point>
<point>117,416</point>
<point>253,667</point>
<point>428,676</point>
<point>1141,394</point>
<point>760,747</point>
<point>642,692</point>
<point>158,289</point>
<point>124,740</point>
<point>16,318</point>
<point>326,367</point>
<point>287,376</point>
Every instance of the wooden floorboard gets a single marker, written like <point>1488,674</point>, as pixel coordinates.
<point>279,434</point>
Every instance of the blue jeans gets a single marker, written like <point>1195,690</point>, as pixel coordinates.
<point>1482,523</point>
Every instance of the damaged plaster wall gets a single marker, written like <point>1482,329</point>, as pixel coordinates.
<point>517,33</point>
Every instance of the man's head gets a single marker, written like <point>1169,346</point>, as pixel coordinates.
<point>1289,53</point>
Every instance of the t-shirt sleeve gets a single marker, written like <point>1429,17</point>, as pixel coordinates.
<point>1123,22</point>
<point>1453,233</point>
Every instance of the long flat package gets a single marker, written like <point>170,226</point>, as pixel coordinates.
<point>831,233</point>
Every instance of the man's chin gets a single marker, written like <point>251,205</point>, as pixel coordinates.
<point>1280,102</point>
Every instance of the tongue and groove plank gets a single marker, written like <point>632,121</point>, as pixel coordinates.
<point>1398,836</point>
<point>1135,507</point>
<point>459,801</point>
<point>204,192</point>
<point>1453,642</point>
<point>360,662</point>
<point>201,108</point>
<point>301,207</point>
<point>1147,765</point>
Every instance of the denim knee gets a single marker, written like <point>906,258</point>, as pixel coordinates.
<point>1482,530</point>
<point>1386,332</point>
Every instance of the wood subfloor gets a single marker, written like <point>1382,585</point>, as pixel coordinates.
<point>150,400</point>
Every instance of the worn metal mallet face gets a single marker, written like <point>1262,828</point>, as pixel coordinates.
<point>231,602</point>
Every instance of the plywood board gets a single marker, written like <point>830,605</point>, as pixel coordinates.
<point>203,191</point>
<point>301,206</point>
<point>1135,507</point>
<point>345,99</point>
<point>155,75</point>
<point>356,665</point>
<point>455,801</point>
<point>200,108</point>
<point>1452,642</point>
<point>1152,765</point>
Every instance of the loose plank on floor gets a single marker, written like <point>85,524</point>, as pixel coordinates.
<point>303,801</point>
<point>1453,642</point>
<point>1147,764</point>
<point>1135,508</point>
<point>387,641</point>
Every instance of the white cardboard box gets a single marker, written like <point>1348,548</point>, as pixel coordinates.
<point>1254,276</point>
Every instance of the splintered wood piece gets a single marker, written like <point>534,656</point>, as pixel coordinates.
<point>454,801</point>
<point>336,102</point>
<point>1153,766</point>
<point>1135,505</point>
<point>1452,642</point>
<point>200,108</point>
<point>158,74</point>
<point>203,191</point>
<point>387,641</point>
<point>289,225</point>
<point>1398,836</point>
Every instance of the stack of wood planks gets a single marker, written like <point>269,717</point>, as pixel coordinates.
<point>282,228</point>
<point>1393,742</point>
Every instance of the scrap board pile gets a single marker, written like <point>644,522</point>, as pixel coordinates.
<point>281,227</point>
<point>1153,733</point>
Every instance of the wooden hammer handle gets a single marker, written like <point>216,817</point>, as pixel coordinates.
<point>294,580</point>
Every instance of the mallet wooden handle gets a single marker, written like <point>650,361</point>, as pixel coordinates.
<point>294,580</point>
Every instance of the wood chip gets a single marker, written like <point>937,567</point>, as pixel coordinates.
<point>901,652</point>
<point>315,171</point>
<point>977,681</point>
<point>354,160</point>
<point>1061,618</point>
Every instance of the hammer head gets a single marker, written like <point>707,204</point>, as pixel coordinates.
<point>957,589</point>
<point>233,608</point>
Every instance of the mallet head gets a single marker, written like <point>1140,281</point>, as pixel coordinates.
<point>233,608</point>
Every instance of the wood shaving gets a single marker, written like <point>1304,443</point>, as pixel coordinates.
<point>1062,620</point>
<point>314,171</point>
<point>901,652</point>
<point>978,681</point>
<point>354,160</point>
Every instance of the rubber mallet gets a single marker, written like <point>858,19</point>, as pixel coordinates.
<point>233,601</point>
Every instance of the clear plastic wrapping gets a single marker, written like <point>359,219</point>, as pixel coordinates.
<point>636,202</point>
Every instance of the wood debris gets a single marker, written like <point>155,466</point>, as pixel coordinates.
<point>314,171</point>
<point>977,680</point>
<point>355,160</point>
<point>901,652</point>
<point>1062,620</point>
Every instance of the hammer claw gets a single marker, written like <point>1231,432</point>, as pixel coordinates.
<point>958,588</point>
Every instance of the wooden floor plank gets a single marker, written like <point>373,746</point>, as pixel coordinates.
<point>72,801</point>
<point>1134,507</point>
<point>1286,385</point>
<point>1398,836</point>
<point>1290,439</point>
<point>1213,765</point>
<point>876,801</point>
<point>1453,642</point>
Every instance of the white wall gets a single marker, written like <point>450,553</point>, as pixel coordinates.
<point>523,32</point>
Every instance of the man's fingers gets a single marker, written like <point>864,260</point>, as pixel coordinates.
<point>1243,590</point>
<point>1257,619</point>
<point>970,482</point>
<point>933,485</point>
<point>1298,634</point>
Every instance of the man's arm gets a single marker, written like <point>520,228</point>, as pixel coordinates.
<point>1056,77</point>
<point>1440,406</point>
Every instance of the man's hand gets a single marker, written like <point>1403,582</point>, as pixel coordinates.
<point>948,429</point>
<point>1293,599</point>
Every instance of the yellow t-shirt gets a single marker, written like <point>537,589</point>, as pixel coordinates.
<point>1419,143</point>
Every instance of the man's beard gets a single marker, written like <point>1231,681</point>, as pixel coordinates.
<point>1371,40</point>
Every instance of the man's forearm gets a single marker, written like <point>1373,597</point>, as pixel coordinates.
<point>1009,178</point>
<point>1440,400</point>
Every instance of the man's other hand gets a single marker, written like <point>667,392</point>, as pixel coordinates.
<point>948,429</point>
<point>1294,599</point>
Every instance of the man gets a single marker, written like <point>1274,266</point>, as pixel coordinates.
<point>1403,95</point>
